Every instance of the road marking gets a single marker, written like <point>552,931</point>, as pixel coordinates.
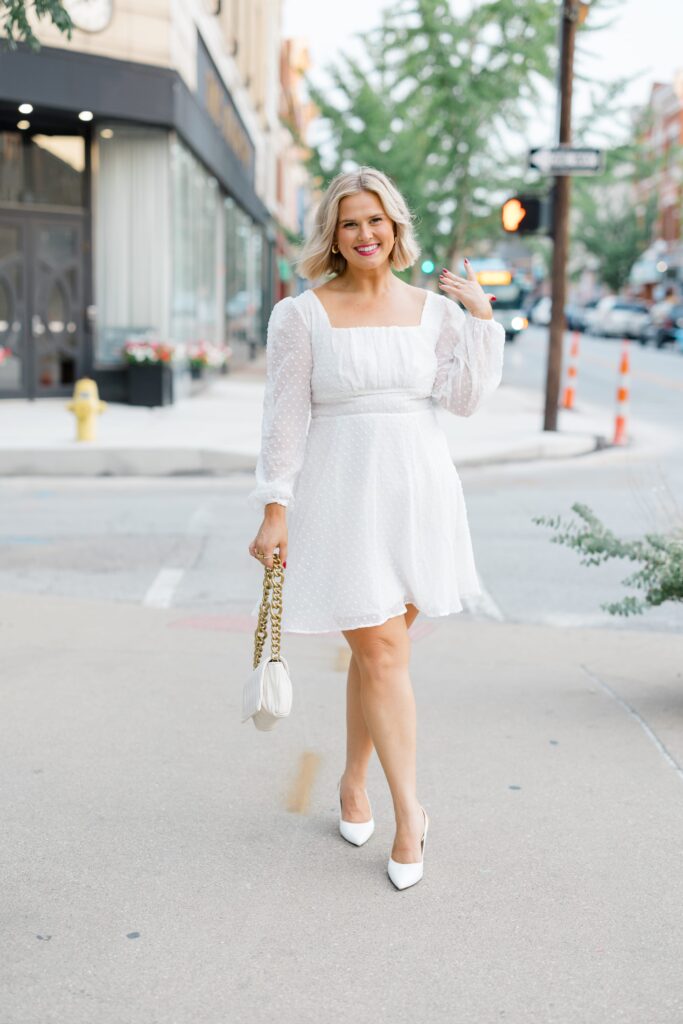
<point>299,797</point>
<point>201,519</point>
<point>653,378</point>
<point>160,594</point>
<point>343,659</point>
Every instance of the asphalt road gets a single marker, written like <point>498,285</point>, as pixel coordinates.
<point>656,378</point>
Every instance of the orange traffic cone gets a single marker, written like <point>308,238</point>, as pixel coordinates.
<point>620,436</point>
<point>572,373</point>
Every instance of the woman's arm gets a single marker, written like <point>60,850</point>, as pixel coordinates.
<point>469,352</point>
<point>286,407</point>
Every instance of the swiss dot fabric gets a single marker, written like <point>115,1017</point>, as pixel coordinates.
<point>350,443</point>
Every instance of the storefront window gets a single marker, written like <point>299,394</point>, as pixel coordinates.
<point>47,169</point>
<point>196,232</point>
<point>12,306</point>
<point>132,238</point>
<point>243,276</point>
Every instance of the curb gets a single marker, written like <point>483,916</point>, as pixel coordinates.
<point>167,462</point>
<point>561,447</point>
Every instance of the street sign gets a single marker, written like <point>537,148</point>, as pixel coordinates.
<point>567,160</point>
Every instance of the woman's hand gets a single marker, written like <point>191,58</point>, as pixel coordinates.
<point>468,291</point>
<point>272,534</point>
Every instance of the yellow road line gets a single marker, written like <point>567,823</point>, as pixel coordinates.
<point>343,659</point>
<point>653,378</point>
<point>299,798</point>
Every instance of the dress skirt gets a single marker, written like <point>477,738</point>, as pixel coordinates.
<point>379,518</point>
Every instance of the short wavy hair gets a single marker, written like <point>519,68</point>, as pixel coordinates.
<point>317,259</point>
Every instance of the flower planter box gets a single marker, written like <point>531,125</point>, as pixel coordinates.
<point>197,372</point>
<point>150,384</point>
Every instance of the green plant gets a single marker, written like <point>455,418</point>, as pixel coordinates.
<point>660,576</point>
<point>15,24</point>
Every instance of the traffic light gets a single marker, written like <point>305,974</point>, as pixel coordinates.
<point>525,215</point>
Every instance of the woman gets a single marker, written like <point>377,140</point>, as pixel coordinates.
<point>377,526</point>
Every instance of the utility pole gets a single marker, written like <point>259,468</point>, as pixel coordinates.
<point>573,11</point>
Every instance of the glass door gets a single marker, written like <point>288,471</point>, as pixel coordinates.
<point>41,303</point>
<point>56,304</point>
<point>13,314</point>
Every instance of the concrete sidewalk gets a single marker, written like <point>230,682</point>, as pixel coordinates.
<point>218,432</point>
<point>164,862</point>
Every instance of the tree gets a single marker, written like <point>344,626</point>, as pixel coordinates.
<point>605,223</point>
<point>437,95</point>
<point>16,26</point>
<point>609,231</point>
<point>434,95</point>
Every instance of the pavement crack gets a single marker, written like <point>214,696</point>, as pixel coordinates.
<point>661,747</point>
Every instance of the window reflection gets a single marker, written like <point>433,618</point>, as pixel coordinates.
<point>243,276</point>
<point>11,306</point>
<point>195,313</point>
<point>42,169</point>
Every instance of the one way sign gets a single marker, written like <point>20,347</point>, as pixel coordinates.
<point>567,160</point>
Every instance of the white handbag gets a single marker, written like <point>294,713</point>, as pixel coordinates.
<point>267,693</point>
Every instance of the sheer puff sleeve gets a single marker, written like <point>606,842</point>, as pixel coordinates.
<point>286,406</point>
<point>469,353</point>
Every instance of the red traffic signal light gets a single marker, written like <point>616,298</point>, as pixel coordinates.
<point>524,215</point>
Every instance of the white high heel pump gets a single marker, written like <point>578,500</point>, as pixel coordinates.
<point>356,832</point>
<point>403,875</point>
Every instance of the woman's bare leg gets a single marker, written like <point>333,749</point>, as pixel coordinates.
<point>359,748</point>
<point>359,745</point>
<point>382,655</point>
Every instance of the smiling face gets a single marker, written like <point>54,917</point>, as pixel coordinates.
<point>365,234</point>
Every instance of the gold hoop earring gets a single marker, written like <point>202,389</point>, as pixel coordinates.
<point>335,249</point>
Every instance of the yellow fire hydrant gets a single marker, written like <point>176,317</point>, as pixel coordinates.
<point>86,406</point>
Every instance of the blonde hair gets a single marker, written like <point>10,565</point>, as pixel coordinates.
<point>317,258</point>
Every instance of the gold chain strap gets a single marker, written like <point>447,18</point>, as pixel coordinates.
<point>272,599</point>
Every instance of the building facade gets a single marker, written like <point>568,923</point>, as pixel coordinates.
<point>661,266</point>
<point>138,186</point>
<point>294,188</point>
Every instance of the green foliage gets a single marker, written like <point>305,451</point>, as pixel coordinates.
<point>15,24</point>
<point>660,575</point>
<point>605,223</point>
<point>429,104</point>
<point>432,101</point>
<point>614,237</point>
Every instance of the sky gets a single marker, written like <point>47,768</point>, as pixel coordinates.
<point>646,36</point>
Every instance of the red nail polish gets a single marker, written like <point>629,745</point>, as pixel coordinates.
<point>466,260</point>
<point>284,565</point>
<point>493,298</point>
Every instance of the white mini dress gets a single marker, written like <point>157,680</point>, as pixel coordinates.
<point>351,444</point>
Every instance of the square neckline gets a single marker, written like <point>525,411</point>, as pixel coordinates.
<point>376,327</point>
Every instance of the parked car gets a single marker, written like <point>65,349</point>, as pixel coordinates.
<point>616,317</point>
<point>581,314</point>
<point>628,319</point>
<point>679,337</point>
<point>664,332</point>
<point>541,311</point>
<point>573,315</point>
